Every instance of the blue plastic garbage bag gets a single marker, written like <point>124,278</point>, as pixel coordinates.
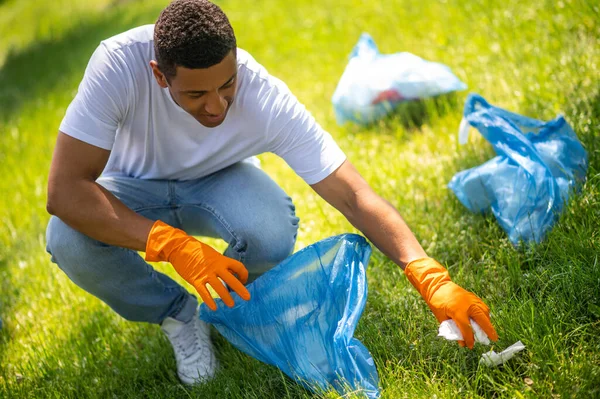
<point>302,315</point>
<point>373,84</point>
<point>526,186</point>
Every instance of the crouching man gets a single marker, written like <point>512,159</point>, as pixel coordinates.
<point>156,148</point>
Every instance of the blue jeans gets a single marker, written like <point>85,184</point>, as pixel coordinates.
<point>239,204</point>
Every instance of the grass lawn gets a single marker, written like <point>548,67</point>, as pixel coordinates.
<point>537,58</point>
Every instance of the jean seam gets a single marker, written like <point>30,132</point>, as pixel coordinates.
<point>227,227</point>
<point>154,276</point>
<point>179,308</point>
<point>172,195</point>
<point>149,207</point>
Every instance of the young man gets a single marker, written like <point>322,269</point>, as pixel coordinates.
<point>155,147</point>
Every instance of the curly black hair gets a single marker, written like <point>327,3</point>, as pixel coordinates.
<point>192,34</point>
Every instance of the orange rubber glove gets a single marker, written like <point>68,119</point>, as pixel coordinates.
<point>448,300</point>
<point>198,263</point>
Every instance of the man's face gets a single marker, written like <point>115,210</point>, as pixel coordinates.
<point>206,94</point>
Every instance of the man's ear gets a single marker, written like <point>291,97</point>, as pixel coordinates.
<point>160,77</point>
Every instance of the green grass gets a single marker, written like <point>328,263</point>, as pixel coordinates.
<point>538,59</point>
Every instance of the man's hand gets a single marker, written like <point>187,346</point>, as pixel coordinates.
<point>198,263</point>
<point>449,301</point>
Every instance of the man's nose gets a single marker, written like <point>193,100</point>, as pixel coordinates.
<point>215,104</point>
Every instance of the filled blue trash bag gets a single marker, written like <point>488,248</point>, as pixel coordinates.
<point>373,84</point>
<point>302,315</point>
<point>527,185</point>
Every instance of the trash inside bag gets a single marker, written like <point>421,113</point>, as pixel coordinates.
<point>526,186</point>
<point>373,84</point>
<point>302,315</point>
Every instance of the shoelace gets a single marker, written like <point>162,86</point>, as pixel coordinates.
<point>187,342</point>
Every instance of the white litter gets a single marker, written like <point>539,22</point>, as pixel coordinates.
<point>463,131</point>
<point>492,358</point>
<point>449,330</point>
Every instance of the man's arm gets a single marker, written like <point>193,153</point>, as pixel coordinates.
<point>379,221</point>
<point>76,198</point>
<point>347,191</point>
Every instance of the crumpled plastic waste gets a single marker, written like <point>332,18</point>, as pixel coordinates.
<point>449,330</point>
<point>302,315</point>
<point>538,165</point>
<point>492,358</point>
<point>373,84</point>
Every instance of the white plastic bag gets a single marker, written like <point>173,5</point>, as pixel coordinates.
<point>373,84</point>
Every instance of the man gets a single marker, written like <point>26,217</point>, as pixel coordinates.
<point>155,147</point>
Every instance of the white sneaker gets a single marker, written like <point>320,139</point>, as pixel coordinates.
<point>194,353</point>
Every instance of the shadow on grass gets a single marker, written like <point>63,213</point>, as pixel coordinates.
<point>90,362</point>
<point>104,357</point>
<point>28,75</point>
<point>7,299</point>
<point>412,115</point>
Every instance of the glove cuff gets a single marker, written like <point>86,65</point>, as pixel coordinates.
<point>160,235</point>
<point>426,275</point>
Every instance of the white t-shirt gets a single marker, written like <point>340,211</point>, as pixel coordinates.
<point>120,107</point>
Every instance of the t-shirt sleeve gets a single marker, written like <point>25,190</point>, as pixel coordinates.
<point>295,136</point>
<point>101,100</point>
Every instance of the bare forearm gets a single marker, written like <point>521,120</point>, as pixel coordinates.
<point>94,211</point>
<point>382,224</point>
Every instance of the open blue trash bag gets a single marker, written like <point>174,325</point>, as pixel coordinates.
<point>373,84</point>
<point>526,186</point>
<point>302,315</point>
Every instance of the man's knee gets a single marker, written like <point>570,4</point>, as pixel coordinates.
<point>273,248</point>
<point>58,237</point>
<point>263,247</point>
<point>68,247</point>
